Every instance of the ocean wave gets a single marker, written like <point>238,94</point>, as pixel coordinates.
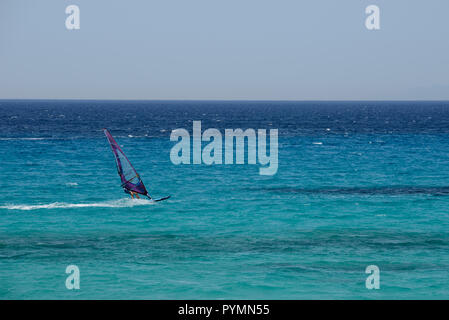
<point>25,139</point>
<point>386,190</point>
<point>130,136</point>
<point>122,203</point>
<point>71,184</point>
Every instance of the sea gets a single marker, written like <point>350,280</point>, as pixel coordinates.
<point>358,184</point>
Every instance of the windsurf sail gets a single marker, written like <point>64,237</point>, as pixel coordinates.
<point>130,178</point>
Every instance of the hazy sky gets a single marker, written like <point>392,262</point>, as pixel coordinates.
<point>224,49</point>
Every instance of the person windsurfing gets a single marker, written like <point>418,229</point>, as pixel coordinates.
<point>131,193</point>
<point>132,184</point>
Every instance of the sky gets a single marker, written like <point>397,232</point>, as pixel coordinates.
<point>225,50</point>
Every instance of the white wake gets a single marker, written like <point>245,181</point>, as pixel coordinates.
<point>122,203</point>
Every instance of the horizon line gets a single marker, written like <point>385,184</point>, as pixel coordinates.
<point>229,100</point>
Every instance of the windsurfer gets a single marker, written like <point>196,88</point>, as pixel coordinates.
<point>131,193</point>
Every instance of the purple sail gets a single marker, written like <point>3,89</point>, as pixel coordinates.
<point>129,176</point>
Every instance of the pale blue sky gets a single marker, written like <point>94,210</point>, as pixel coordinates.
<point>224,49</point>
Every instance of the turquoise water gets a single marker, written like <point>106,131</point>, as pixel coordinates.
<point>359,183</point>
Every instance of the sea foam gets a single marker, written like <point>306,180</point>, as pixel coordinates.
<point>122,203</point>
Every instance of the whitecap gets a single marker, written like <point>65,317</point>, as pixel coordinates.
<point>71,184</point>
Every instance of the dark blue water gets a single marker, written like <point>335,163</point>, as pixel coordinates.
<point>358,183</point>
